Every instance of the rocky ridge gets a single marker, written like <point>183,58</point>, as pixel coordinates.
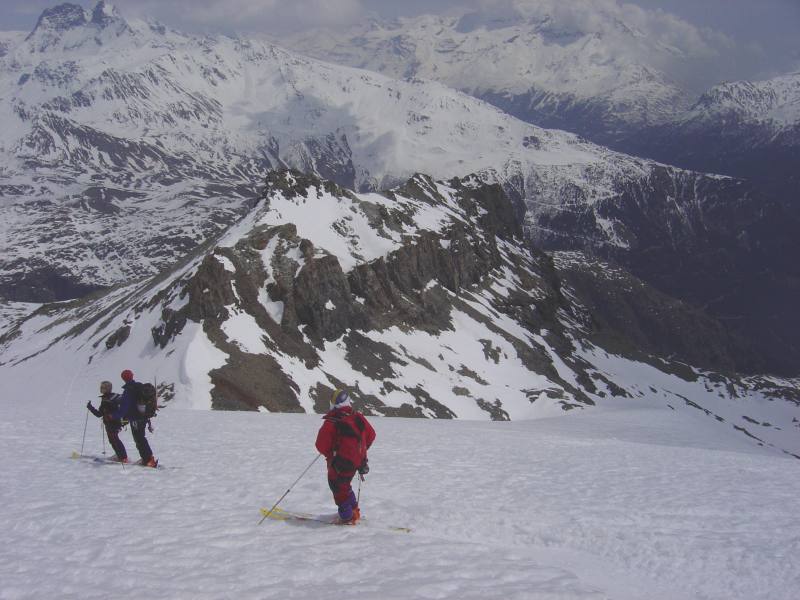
<point>423,300</point>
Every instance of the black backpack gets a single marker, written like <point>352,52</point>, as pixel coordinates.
<point>148,398</point>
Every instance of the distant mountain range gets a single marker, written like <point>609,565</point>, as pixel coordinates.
<point>126,145</point>
<point>600,78</point>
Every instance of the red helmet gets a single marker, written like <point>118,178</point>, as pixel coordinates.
<point>127,375</point>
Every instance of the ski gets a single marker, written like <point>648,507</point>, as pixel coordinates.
<point>106,460</point>
<point>279,514</point>
<point>95,458</point>
<point>282,515</point>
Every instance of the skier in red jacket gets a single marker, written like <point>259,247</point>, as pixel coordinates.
<point>344,439</point>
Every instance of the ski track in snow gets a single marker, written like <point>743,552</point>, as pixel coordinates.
<point>613,503</point>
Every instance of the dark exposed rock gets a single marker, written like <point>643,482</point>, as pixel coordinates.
<point>491,207</point>
<point>118,337</point>
<point>467,372</point>
<point>634,319</point>
<point>209,292</point>
<point>711,242</point>
<point>495,409</point>
<point>60,18</point>
<point>323,299</point>
<point>41,282</point>
<point>247,382</point>
<point>332,159</point>
<point>373,359</point>
<point>409,287</point>
<point>425,401</point>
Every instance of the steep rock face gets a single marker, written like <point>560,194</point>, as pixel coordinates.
<point>307,296</point>
<point>748,130</point>
<point>632,318</point>
<point>717,244</point>
<point>322,299</point>
<point>303,300</point>
<point>59,19</point>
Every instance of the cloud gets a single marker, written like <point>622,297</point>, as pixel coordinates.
<point>698,43</point>
<point>246,16</point>
<point>693,55</point>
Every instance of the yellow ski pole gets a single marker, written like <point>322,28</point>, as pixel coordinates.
<point>286,493</point>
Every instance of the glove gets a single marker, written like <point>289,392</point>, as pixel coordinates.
<point>364,468</point>
<point>89,405</point>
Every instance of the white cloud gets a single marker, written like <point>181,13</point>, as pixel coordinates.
<point>246,15</point>
<point>694,56</point>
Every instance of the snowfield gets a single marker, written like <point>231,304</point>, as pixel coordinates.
<point>624,501</point>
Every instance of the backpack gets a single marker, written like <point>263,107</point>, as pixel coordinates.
<point>147,402</point>
<point>350,449</point>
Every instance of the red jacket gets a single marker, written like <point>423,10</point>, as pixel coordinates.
<point>344,438</point>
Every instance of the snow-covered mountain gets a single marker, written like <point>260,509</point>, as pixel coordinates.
<point>425,301</point>
<point>540,62</point>
<point>127,144</point>
<point>775,102</point>
<point>114,126</point>
<point>750,129</point>
<point>595,70</point>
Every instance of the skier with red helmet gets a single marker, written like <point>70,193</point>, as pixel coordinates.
<point>344,438</point>
<point>131,408</point>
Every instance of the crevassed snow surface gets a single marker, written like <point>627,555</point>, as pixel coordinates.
<point>626,501</point>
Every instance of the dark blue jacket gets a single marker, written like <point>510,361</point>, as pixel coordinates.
<point>126,409</point>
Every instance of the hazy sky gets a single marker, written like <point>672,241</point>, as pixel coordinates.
<point>750,38</point>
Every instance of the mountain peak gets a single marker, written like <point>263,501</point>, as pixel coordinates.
<point>70,20</point>
<point>60,18</point>
<point>105,14</point>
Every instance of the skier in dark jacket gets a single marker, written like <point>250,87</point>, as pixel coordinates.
<point>109,403</point>
<point>344,438</point>
<point>130,407</point>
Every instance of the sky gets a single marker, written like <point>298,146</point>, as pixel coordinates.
<point>750,39</point>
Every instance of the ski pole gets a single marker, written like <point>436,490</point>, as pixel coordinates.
<point>85,423</point>
<point>286,493</point>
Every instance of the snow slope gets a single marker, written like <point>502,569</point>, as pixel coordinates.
<point>625,502</point>
<point>772,103</point>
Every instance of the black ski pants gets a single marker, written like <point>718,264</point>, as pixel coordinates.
<point>112,432</point>
<point>138,429</point>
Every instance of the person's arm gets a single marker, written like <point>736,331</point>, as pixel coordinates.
<point>93,410</point>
